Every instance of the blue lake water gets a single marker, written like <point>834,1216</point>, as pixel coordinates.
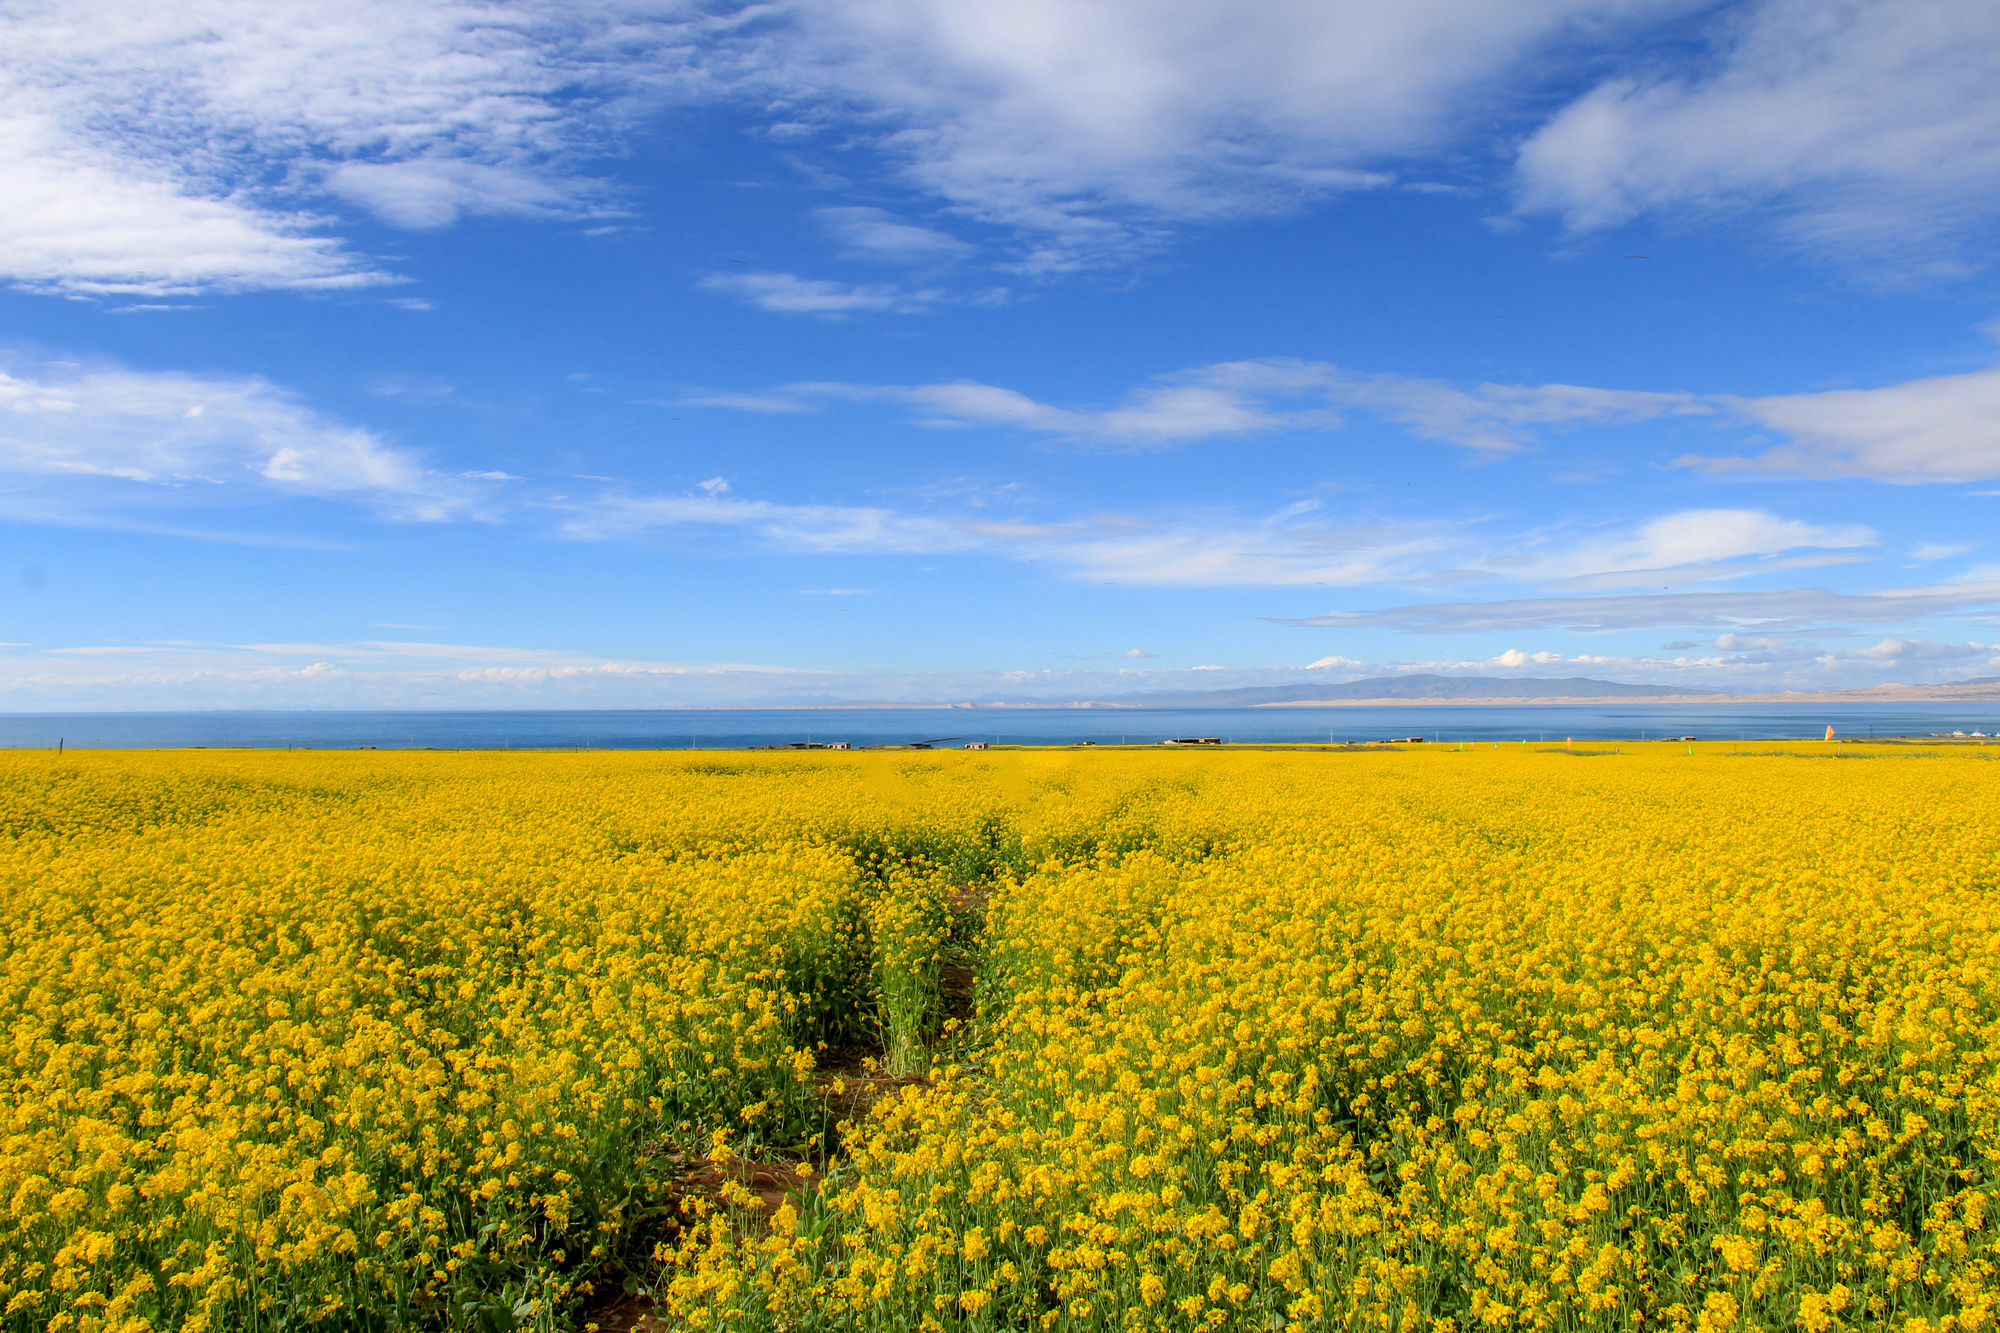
<point>652,729</point>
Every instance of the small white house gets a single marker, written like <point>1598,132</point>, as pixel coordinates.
<point>973,745</point>
<point>839,745</point>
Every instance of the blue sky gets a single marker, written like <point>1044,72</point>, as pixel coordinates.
<point>651,354</point>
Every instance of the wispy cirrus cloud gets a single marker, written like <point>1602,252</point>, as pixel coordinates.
<point>800,527</point>
<point>879,236</point>
<point>250,118</point>
<point>1295,545</point>
<point>1867,129</point>
<point>1300,544</point>
<point>1088,128</point>
<point>1690,546</point>
<point>790,294</point>
<point>1085,134</point>
<point>1250,397</point>
<point>1942,429</point>
<point>1766,611</point>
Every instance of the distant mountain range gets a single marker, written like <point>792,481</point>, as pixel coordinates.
<point>1378,687</point>
<point>1406,687</point>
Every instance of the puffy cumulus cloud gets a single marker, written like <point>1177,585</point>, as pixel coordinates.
<point>1749,643</point>
<point>154,437</point>
<point>1335,663</point>
<point>1514,657</point>
<point>1946,428</point>
<point>191,146</point>
<point>1870,126</point>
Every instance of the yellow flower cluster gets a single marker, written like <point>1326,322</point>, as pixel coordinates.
<point>1535,1038</point>
<point>1473,1039</point>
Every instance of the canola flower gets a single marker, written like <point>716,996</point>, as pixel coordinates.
<point>1472,1039</point>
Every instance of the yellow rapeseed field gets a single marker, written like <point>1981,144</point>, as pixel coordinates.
<point>1522,1037</point>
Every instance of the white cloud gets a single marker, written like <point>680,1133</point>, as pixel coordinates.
<point>1946,428</point>
<point>426,194</point>
<point>1297,545</point>
<point>199,146</point>
<point>391,674</point>
<point>876,234</point>
<point>746,402</point>
<point>1917,650</point>
<point>1293,546</point>
<point>1249,397</point>
<point>790,294</point>
<point>80,219</point>
<point>135,431</point>
<point>1502,418</point>
<point>1927,551</point>
<point>1086,123</point>
<point>1693,545</point>
<point>1137,652</point>
<point>1775,610</point>
<point>1942,429</point>
<point>1749,643</point>
<point>1150,416</point>
<point>1871,125</point>
<point>1514,657</point>
<point>827,529</point>
<point>186,147</point>
<point>1335,663</point>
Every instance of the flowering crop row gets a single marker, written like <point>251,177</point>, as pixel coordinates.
<point>1476,1039</point>
<point>1518,1038</point>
